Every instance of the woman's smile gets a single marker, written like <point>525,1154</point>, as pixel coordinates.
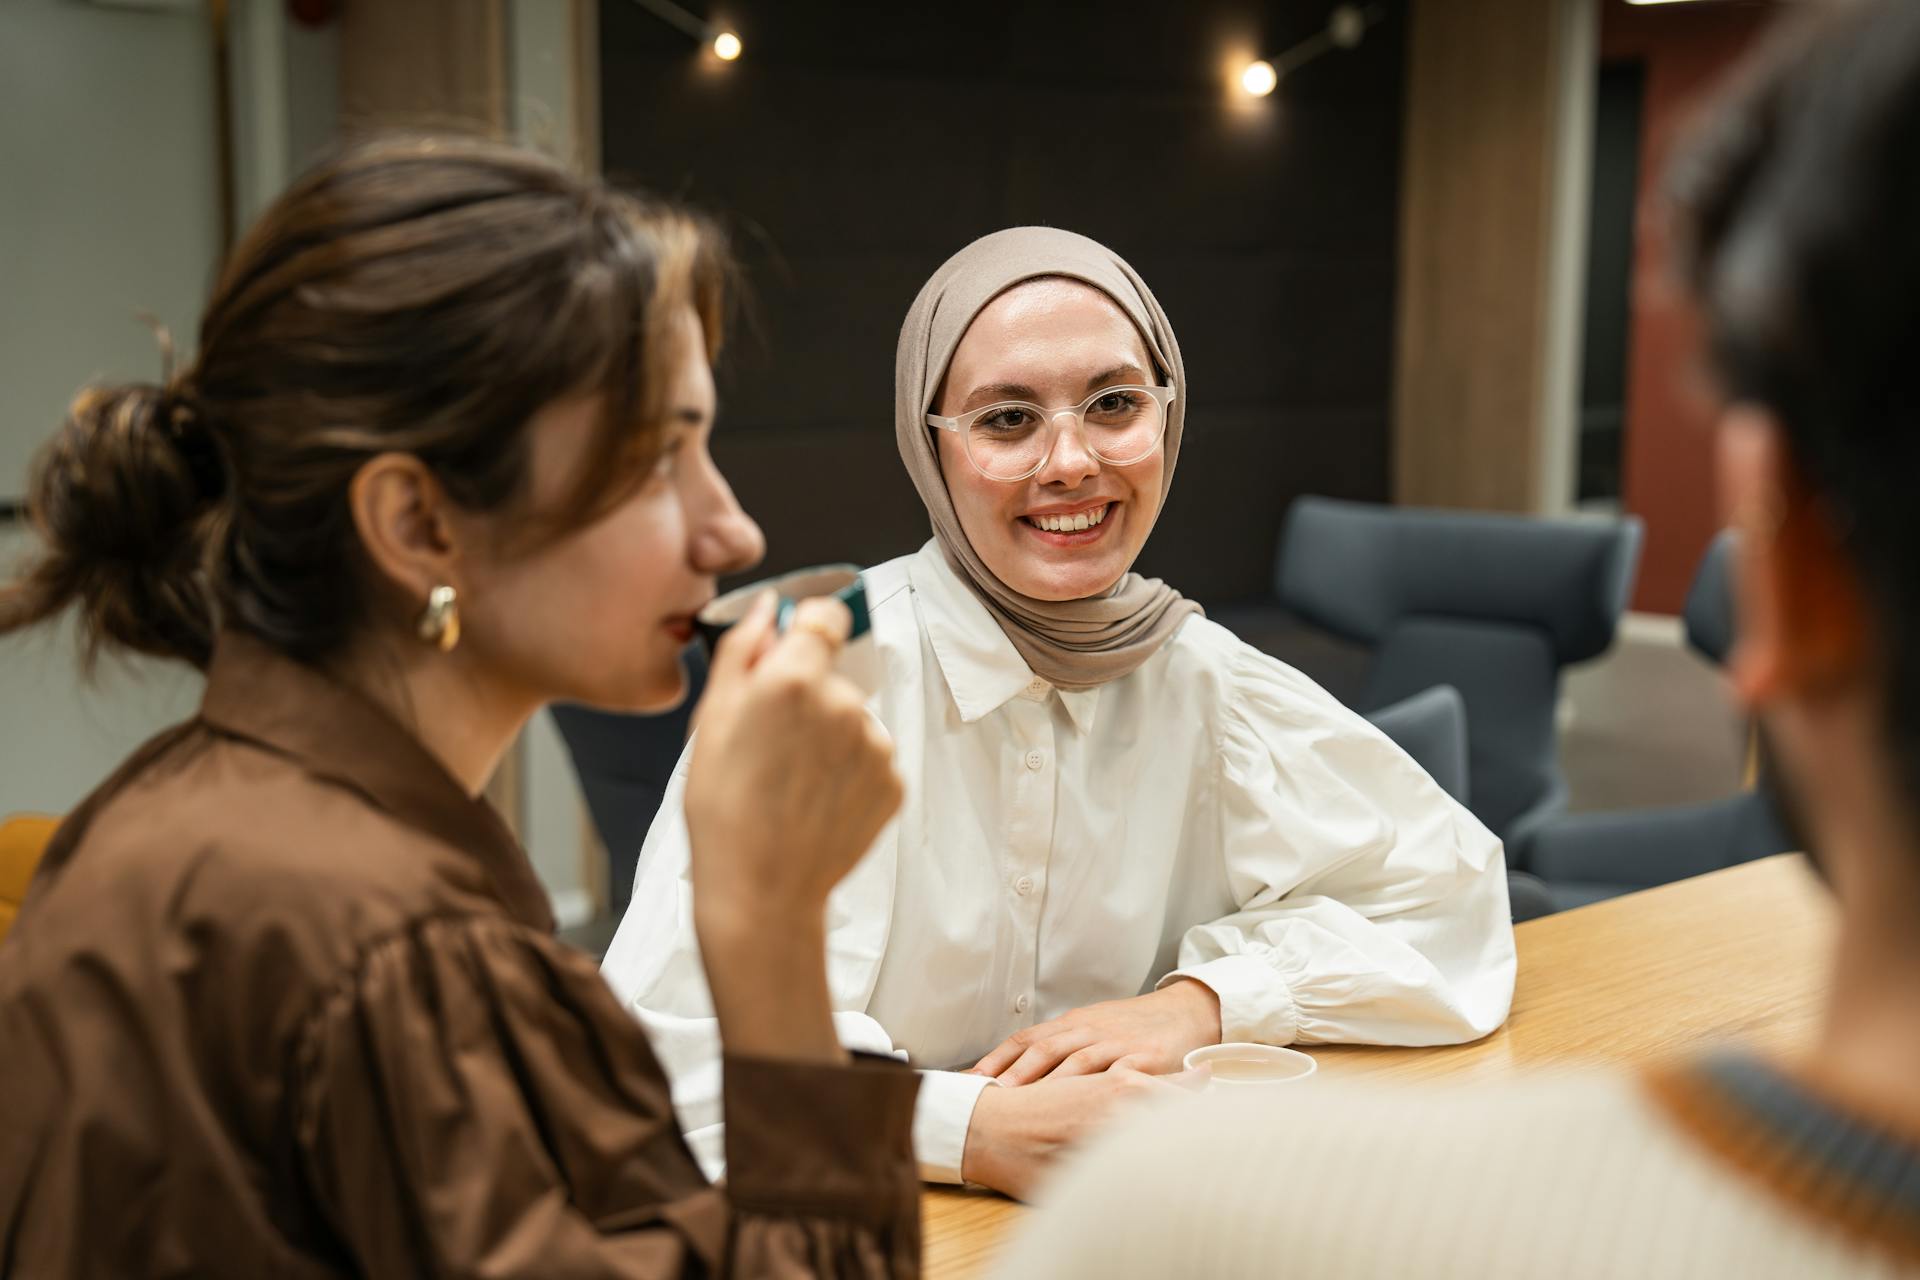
<point>1071,525</point>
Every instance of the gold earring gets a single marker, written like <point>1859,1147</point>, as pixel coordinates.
<point>440,621</point>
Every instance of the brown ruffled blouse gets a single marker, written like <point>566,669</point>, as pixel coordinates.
<point>284,1001</point>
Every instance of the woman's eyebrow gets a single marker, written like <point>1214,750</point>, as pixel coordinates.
<point>999,391</point>
<point>992,391</point>
<point>1119,373</point>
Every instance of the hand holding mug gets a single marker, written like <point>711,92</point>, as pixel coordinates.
<point>790,782</point>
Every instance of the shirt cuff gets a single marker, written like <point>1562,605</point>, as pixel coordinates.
<point>1256,1004</point>
<point>941,1119</point>
<point>835,1140</point>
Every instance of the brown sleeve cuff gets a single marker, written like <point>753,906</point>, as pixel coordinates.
<point>836,1140</point>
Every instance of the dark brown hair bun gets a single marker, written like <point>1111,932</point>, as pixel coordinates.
<point>127,525</point>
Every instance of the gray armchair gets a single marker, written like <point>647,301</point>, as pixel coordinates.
<point>624,763</point>
<point>1494,605</point>
<point>1587,857</point>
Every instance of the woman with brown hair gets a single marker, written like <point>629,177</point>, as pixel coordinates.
<point>283,999</point>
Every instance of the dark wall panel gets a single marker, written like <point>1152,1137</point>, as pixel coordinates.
<point>856,145</point>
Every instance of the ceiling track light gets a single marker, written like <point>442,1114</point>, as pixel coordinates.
<point>1346,28</point>
<point>724,44</point>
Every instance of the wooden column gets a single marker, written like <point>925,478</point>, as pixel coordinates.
<point>1491,237</point>
<point>425,64</point>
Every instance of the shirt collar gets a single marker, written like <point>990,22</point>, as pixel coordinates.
<point>256,692</point>
<point>982,668</point>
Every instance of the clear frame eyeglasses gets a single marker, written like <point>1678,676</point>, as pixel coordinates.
<point>1013,439</point>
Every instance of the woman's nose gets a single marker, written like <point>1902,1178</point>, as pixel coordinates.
<point>1071,460</point>
<point>725,538</point>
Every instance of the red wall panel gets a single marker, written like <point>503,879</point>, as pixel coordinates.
<point>1667,473</point>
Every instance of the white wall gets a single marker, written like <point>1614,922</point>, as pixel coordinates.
<point>109,194</point>
<point>108,206</point>
<point>286,98</point>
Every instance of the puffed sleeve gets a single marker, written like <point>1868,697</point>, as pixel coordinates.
<point>475,1102</point>
<point>1372,907</point>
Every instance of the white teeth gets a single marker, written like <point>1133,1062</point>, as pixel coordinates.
<point>1073,523</point>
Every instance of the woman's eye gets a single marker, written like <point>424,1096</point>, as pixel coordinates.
<point>1117,403</point>
<point>668,462</point>
<point>1008,419</point>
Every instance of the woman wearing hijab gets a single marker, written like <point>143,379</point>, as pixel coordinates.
<point>1126,834</point>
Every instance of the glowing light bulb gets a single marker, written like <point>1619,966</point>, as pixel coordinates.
<point>1259,78</point>
<point>726,46</point>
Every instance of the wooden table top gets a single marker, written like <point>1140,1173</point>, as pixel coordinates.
<point>1738,954</point>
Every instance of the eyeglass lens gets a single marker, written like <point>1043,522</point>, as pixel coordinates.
<point>1011,442</point>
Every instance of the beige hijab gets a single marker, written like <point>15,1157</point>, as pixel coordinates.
<point>1072,644</point>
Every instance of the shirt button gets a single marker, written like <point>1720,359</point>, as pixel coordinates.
<point>1023,886</point>
<point>1020,1004</point>
<point>1036,760</point>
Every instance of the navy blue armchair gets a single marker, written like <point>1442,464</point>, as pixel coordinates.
<point>624,763</point>
<point>1493,605</point>
<point>1587,857</point>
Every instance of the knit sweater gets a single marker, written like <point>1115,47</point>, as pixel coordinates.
<point>1727,1166</point>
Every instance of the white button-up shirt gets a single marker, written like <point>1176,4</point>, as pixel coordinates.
<point>1213,815</point>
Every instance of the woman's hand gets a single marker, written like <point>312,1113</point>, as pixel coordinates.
<point>1016,1134</point>
<point>790,782</point>
<point>1152,1033</point>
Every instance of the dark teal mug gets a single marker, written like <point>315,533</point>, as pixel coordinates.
<point>841,581</point>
